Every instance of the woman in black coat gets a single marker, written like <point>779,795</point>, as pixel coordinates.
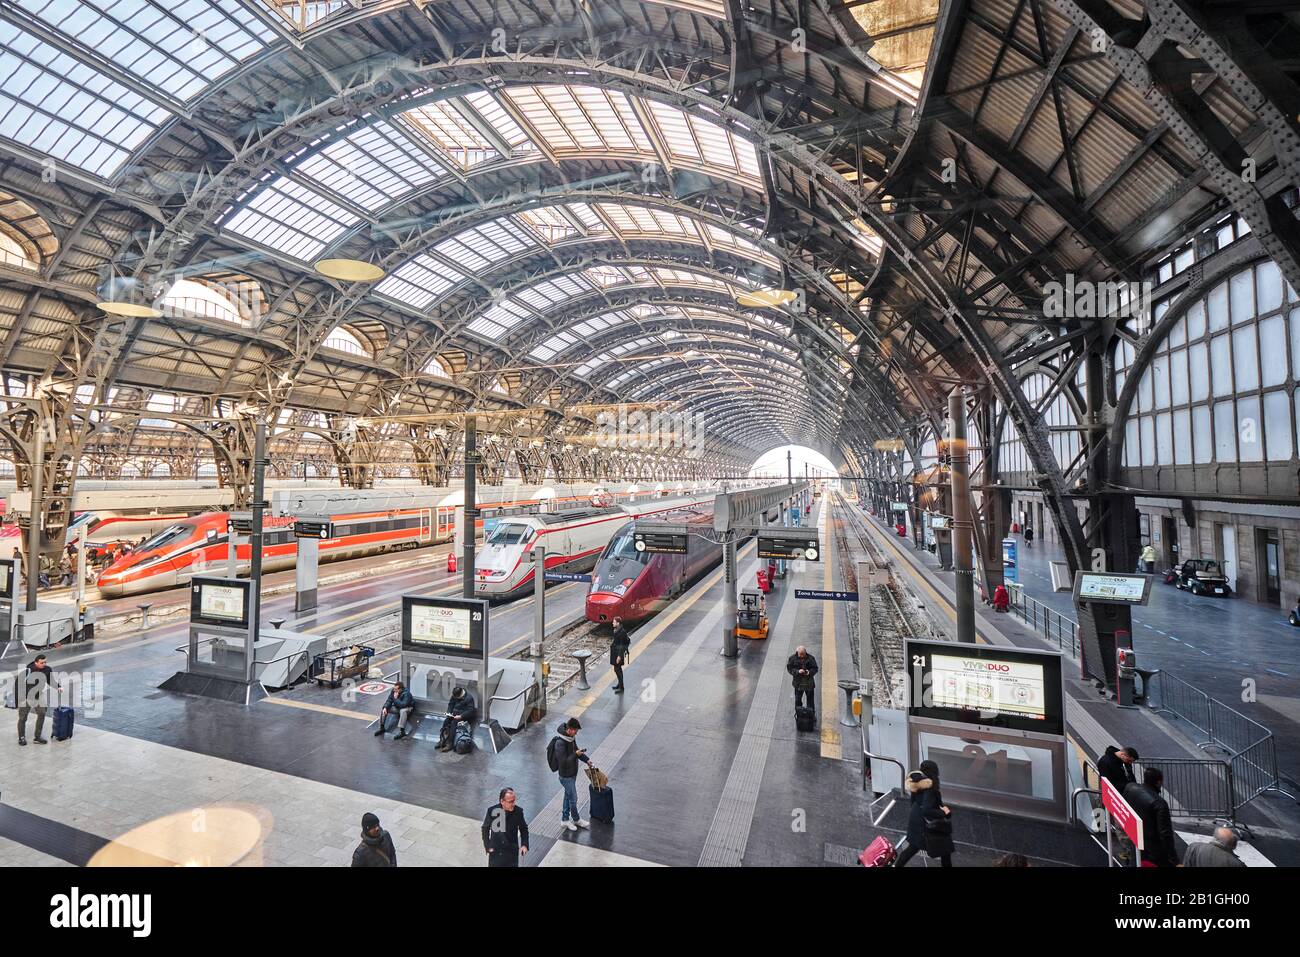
<point>929,824</point>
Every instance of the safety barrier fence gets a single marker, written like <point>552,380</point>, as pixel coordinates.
<point>1054,627</point>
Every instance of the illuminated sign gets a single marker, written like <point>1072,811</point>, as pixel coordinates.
<point>786,546</point>
<point>986,685</point>
<point>938,521</point>
<point>660,543</point>
<point>444,626</point>
<point>220,601</point>
<point>1112,589</point>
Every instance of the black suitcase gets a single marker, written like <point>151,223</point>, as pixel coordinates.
<point>602,803</point>
<point>805,719</point>
<point>463,738</point>
<point>63,720</point>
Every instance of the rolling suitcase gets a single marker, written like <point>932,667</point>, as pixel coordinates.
<point>805,719</point>
<point>879,853</point>
<point>63,720</point>
<point>602,803</point>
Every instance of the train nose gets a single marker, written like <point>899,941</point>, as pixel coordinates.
<point>602,606</point>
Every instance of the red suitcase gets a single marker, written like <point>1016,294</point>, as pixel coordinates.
<point>879,853</point>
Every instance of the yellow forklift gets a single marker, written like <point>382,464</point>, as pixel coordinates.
<point>751,615</point>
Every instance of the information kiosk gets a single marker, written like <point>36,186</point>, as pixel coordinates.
<point>1105,602</point>
<point>993,719</point>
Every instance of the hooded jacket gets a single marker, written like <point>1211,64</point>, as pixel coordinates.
<point>566,754</point>
<point>1114,770</point>
<point>375,851</point>
<point>927,805</point>
<point>794,664</point>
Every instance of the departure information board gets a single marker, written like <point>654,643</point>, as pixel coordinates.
<point>1115,589</point>
<point>220,601</point>
<point>985,685</point>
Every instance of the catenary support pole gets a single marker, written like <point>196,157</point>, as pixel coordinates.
<point>471,509</point>
<point>538,649</point>
<point>258,506</point>
<point>730,646</point>
<point>961,517</point>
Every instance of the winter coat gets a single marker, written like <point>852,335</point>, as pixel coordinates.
<point>375,851</point>
<point>32,688</point>
<point>396,702</point>
<point>1211,854</point>
<point>504,832</point>
<point>463,708</point>
<point>566,755</point>
<point>927,805</point>
<point>1157,825</point>
<point>1114,770</point>
<point>619,647</point>
<point>794,664</point>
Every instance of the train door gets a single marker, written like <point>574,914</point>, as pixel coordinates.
<point>444,524</point>
<point>426,524</point>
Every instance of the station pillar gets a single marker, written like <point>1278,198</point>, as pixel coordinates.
<point>730,645</point>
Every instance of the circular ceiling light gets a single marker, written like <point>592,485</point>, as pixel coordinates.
<point>766,298</point>
<point>349,270</point>
<point>137,310</point>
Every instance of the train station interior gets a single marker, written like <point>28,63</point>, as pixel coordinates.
<point>650,433</point>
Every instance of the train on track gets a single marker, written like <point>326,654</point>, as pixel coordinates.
<point>365,522</point>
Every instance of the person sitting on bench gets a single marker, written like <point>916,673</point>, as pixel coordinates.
<point>398,706</point>
<point>461,707</point>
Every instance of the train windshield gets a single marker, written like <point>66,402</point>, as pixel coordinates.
<point>623,545</point>
<point>165,537</point>
<point>509,533</point>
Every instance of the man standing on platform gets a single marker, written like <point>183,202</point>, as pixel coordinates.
<point>505,831</point>
<point>803,669</point>
<point>618,652</point>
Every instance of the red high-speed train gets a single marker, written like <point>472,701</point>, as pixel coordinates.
<point>634,585</point>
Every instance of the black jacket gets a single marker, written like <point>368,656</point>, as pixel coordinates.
<point>463,708</point>
<point>1157,825</point>
<point>1114,770</point>
<point>375,851</point>
<point>504,831</point>
<point>619,647</point>
<point>397,702</point>
<point>32,687</point>
<point>566,755</point>
<point>927,805</point>
<point>794,664</point>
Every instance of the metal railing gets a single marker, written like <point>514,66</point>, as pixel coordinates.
<point>1055,628</point>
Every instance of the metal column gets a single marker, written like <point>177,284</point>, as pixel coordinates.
<point>470,509</point>
<point>255,558</point>
<point>962,527</point>
<point>306,584</point>
<point>730,647</point>
<point>34,524</point>
<point>538,648</point>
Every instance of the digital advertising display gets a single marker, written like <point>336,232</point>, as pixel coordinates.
<point>985,685</point>
<point>444,626</point>
<point>219,601</point>
<point>1116,589</point>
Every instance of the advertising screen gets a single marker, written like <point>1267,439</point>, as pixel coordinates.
<point>987,685</point>
<point>219,601</point>
<point>444,626</point>
<point>1118,589</point>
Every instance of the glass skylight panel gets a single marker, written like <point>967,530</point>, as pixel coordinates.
<point>486,106</point>
<point>535,108</point>
<point>591,222</point>
<point>420,281</point>
<point>554,291</point>
<point>676,130</point>
<point>452,132</point>
<point>478,247</point>
<point>499,320</point>
<point>555,344</point>
<point>65,109</point>
<point>176,46</point>
<point>290,217</point>
<point>372,166</point>
<point>605,276</point>
<point>550,224</point>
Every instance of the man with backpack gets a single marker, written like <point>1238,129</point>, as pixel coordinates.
<point>461,707</point>
<point>562,756</point>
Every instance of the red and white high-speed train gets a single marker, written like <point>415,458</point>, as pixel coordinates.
<point>573,541</point>
<point>198,545</point>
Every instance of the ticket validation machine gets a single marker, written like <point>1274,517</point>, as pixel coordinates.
<point>1105,602</point>
<point>993,719</point>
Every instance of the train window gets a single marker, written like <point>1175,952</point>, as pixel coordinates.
<point>168,535</point>
<point>509,533</point>
<point>623,545</point>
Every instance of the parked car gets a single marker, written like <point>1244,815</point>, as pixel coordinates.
<point>1202,576</point>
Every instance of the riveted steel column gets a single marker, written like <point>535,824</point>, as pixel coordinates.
<point>962,527</point>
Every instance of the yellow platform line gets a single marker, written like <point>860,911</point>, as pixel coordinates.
<point>321,708</point>
<point>832,745</point>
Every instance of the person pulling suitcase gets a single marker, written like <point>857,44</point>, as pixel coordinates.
<point>32,692</point>
<point>803,670</point>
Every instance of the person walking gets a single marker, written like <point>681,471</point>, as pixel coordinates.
<point>505,831</point>
<point>929,824</point>
<point>32,692</point>
<point>399,705</point>
<point>563,755</point>
<point>1157,822</point>
<point>376,847</point>
<point>1219,851</point>
<point>619,648</point>
<point>1029,536</point>
<point>1149,558</point>
<point>803,669</point>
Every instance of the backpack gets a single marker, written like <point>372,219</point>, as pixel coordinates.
<point>463,738</point>
<point>552,759</point>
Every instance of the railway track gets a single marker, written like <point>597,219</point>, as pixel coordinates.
<point>895,613</point>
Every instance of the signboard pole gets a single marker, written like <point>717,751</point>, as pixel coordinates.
<point>730,647</point>
<point>538,650</point>
<point>81,569</point>
<point>232,554</point>
<point>866,651</point>
<point>255,548</point>
<point>471,512</point>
